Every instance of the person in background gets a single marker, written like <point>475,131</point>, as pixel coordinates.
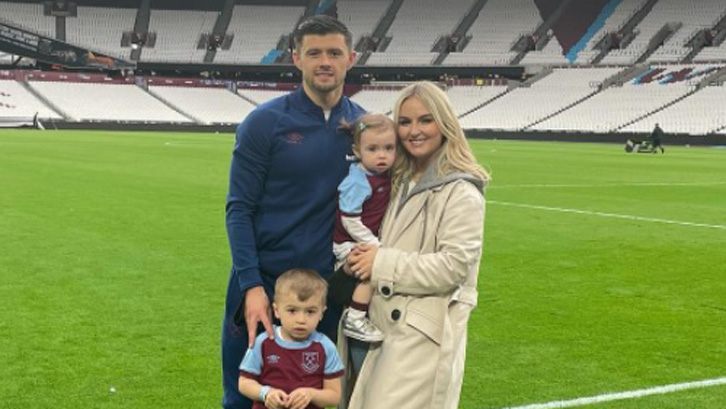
<point>655,139</point>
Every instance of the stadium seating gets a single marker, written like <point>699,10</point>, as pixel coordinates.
<point>101,28</point>
<point>617,106</point>
<point>260,96</point>
<point>28,16</point>
<point>569,99</point>
<point>622,13</point>
<point>709,54</point>
<point>106,102</point>
<point>495,31</point>
<point>663,12</point>
<point>401,58</point>
<point>6,59</point>
<point>177,35</point>
<point>257,30</point>
<point>16,102</point>
<point>361,16</point>
<point>700,113</point>
<point>206,105</point>
<point>704,16</point>
<point>525,105</point>
<point>551,54</point>
<point>417,26</point>
<point>466,98</point>
<point>377,99</point>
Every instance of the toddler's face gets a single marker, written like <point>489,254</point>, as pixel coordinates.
<point>298,319</point>
<point>377,149</point>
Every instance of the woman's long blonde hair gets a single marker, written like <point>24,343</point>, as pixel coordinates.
<point>454,154</point>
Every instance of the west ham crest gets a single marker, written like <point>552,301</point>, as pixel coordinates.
<point>311,361</point>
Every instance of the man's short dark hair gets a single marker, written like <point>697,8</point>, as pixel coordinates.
<point>321,25</point>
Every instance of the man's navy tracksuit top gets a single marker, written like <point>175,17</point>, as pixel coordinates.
<point>286,167</point>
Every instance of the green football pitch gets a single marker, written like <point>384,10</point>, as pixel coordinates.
<point>603,273</point>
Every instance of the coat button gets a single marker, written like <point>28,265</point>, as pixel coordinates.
<point>396,314</point>
<point>385,290</point>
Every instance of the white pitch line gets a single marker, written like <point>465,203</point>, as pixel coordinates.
<point>658,390</point>
<point>596,185</point>
<point>614,215</point>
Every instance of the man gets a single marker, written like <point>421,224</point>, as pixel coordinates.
<point>288,160</point>
<point>655,139</point>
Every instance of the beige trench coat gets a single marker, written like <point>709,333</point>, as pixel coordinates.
<point>425,275</point>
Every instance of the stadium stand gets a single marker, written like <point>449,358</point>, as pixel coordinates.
<point>16,102</point>
<point>617,106</point>
<point>257,30</point>
<point>685,20</point>
<point>694,19</point>
<point>701,113</point>
<point>528,104</point>
<point>466,98</point>
<point>106,102</point>
<point>496,30</point>
<point>551,54</point>
<point>28,16</point>
<point>260,96</point>
<point>377,99</point>
<point>177,35</point>
<point>6,59</point>
<point>709,54</point>
<point>205,105</point>
<point>604,98</point>
<point>361,16</point>
<point>622,13</point>
<point>418,24</point>
<point>101,28</point>
<point>715,46</point>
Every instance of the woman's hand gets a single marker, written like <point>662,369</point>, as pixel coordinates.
<point>360,261</point>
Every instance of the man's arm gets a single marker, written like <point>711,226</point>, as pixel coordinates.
<point>248,172</point>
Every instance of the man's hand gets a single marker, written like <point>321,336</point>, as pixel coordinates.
<point>257,308</point>
<point>300,398</point>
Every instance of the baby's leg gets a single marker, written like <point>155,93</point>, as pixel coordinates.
<point>356,324</point>
<point>362,295</point>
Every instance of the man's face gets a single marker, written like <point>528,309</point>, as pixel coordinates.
<point>324,61</point>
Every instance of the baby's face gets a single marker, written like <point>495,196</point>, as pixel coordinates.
<point>377,149</point>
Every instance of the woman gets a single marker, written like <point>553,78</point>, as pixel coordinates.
<point>425,272</point>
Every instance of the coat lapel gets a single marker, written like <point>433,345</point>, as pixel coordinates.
<point>402,220</point>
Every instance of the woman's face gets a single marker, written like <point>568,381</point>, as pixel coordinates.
<point>419,133</point>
